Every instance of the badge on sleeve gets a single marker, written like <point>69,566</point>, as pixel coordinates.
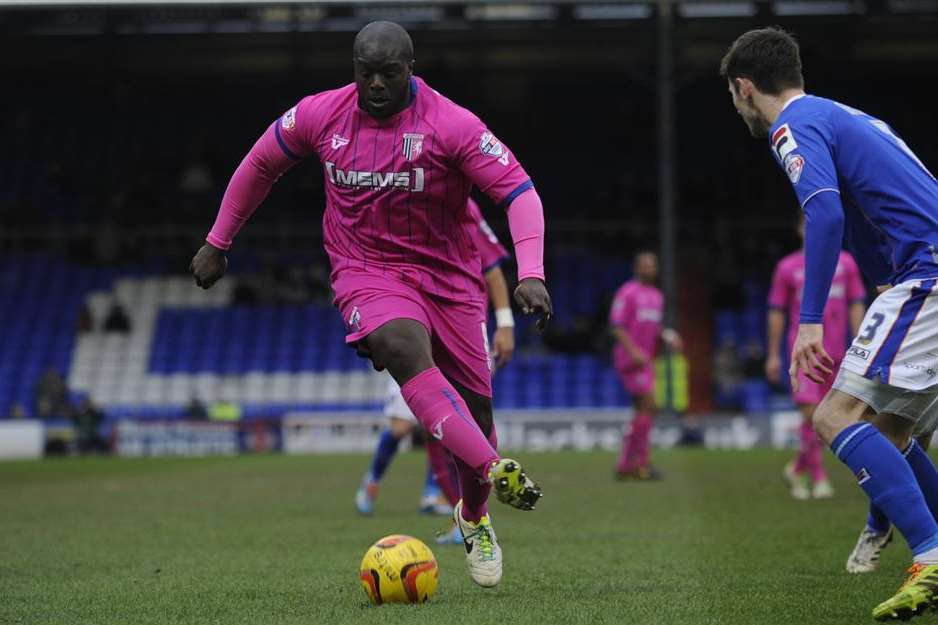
<point>288,121</point>
<point>794,164</point>
<point>783,142</point>
<point>490,146</point>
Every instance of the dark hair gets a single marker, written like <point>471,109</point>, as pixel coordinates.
<point>769,57</point>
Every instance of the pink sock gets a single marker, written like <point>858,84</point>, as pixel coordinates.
<point>475,488</point>
<point>643,448</point>
<point>805,436</point>
<point>635,444</point>
<point>814,455</point>
<point>444,470</point>
<point>445,416</point>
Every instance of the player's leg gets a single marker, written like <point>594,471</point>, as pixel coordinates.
<point>882,471</point>
<point>445,474</point>
<point>877,533</point>
<point>384,453</point>
<point>646,419</point>
<point>442,469</point>
<point>884,474</point>
<point>461,350</point>
<point>798,471</point>
<point>402,346</point>
<point>809,467</point>
<point>634,461</point>
<point>814,456</point>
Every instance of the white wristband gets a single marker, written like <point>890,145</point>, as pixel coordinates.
<point>504,318</point>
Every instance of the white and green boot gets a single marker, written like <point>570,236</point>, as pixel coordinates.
<point>483,555</point>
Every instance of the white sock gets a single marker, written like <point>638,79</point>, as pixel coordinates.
<point>927,557</point>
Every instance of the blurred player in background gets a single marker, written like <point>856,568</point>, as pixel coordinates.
<point>636,319</point>
<point>402,421</point>
<point>845,306</point>
<point>853,175</point>
<point>399,161</point>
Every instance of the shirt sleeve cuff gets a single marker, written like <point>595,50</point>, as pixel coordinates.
<point>811,318</point>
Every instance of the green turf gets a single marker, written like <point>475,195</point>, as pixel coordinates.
<point>275,539</point>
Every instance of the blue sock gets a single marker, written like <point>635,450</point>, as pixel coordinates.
<point>430,487</point>
<point>927,477</point>
<point>384,453</point>
<point>889,482</point>
<point>925,474</point>
<point>877,521</point>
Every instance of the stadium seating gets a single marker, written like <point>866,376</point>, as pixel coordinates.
<point>186,343</point>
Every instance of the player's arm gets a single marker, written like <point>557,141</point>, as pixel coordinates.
<point>773,359</point>
<point>619,316</point>
<point>638,357</point>
<point>492,167</point>
<point>803,150</point>
<point>778,300</point>
<point>503,343</point>
<point>276,151</point>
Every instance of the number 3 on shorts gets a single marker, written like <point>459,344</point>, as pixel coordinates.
<point>869,332</point>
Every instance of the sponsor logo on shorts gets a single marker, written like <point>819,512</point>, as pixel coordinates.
<point>401,180</point>
<point>355,319</point>
<point>863,476</point>
<point>859,352</point>
<point>929,371</point>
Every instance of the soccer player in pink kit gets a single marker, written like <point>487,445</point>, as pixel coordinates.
<point>845,306</point>
<point>399,160</point>
<point>636,320</point>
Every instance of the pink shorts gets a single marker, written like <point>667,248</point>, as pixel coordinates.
<point>811,392</point>
<point>457,330</point>
<point>639,381</point>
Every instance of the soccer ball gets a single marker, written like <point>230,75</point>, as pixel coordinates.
<point>398,569</point>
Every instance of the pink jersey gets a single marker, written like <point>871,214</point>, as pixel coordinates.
<point>638,309</point>
<point>847,288</point>
<point>491,252</point>
<point>397,188</point>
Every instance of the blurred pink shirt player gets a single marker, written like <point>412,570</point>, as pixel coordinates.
<point>785,295</point>
<point>637,309</point>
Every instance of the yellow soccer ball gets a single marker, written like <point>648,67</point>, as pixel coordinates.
<point>399,569</point>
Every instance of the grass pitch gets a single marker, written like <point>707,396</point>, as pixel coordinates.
<point>275,539</point>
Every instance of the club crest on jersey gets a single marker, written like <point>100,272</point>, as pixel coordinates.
<point>413,145</point>
<point>338,141</point>
<point>491,146</point>
<point>794,165</point>
<point>783,142</point>
<point>288,121</point>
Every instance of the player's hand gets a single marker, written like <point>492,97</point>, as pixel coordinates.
<point>531,295</point>
<point>208,265</point>
<point>808,355</point>
<point>773,369</point>
<point>503,346</point>
<point>672,339</point>
<point>639,359</point>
